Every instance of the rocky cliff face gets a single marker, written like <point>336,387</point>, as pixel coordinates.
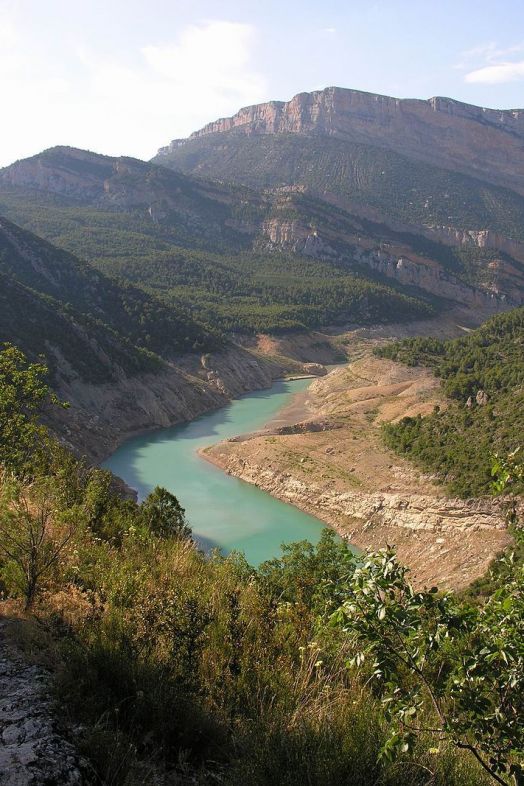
<point>448,235</point>
<point>475,140</point>
<point>33,748</point>
<point>482,238</point>
<point>398,263</point>
<point>432,278</point>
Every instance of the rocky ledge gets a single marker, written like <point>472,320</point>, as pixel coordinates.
<point>437,131</point>
<point>33,749</point>
<point>445,541</point>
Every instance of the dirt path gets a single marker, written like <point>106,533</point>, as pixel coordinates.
<point>33,750</point>
<point>332,463</point>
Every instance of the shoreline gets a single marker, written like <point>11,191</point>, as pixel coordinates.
<point>381,499</point>
<point>273,423</point>
<point>122,438</point>
<point>446,324</point>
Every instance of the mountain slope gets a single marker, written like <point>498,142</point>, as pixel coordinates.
<point>222,252</point>
<point>449,171</point>
<point>96,337</point>
<point>75,346</point>
<point>480,142</point>
<point>124,309</point>
<point>483,375</point>
<point>205,248</point>
<point>400,187</point>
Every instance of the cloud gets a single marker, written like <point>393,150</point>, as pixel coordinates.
<point>491,64</point>
<point>497,74</point>
<point>127,104</point>
<point>176,87</point>
<point>210,63</point>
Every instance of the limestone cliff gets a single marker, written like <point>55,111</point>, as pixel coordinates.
<point>471,139</point>
<point>504,287</point>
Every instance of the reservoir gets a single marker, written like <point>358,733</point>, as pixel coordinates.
<point>223,512</point>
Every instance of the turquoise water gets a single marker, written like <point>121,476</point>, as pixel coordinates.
<point>222,511</point>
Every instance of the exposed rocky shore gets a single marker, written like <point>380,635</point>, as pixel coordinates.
<point>445,541</point>
<point>333,465</point>
<point>101,417</point>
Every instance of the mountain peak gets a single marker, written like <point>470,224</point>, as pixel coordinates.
<point>479,141</point>
<point>329,110</point>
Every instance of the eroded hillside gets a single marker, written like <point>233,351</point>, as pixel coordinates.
<point>329,459</point>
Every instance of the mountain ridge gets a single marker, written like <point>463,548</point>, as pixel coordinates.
<point>423,127</point>
<point>242,259</point>
<point>195,243</point>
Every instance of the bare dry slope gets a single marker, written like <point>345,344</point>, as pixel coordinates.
<point>334,465</point>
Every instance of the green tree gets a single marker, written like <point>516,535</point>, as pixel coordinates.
<point>164,516</point>
<point>24,392</point>
<point>308,574</point>
<point>442,667</point>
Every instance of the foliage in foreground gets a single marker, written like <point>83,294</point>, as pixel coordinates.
<point>430,649</point>
<point>177,663</point>
<point>24,392</point>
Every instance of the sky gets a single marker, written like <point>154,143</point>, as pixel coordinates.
<point>124,77</point>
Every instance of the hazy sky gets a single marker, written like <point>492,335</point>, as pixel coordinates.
<point>127,76</point>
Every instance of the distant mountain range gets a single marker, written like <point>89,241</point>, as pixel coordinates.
<point>237,259</point>
<point>336,208</point>
<point>447,170</point>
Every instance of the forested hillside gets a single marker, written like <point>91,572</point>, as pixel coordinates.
<point>125,308</point>
<point>407,190</point>
<point>483,375</point>
<point>241,260</point>
<point>80,345</point>
<point>245,291</point>
<point>57,305</point>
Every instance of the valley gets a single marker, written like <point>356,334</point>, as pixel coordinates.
<point>196,292</point>
<point>309,313</point>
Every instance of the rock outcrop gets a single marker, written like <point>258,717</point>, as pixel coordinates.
<point>430,277</point>
<point>398,263</point>
<point>466,138</point>
<point>444,541</point>
<point>33,749</point>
